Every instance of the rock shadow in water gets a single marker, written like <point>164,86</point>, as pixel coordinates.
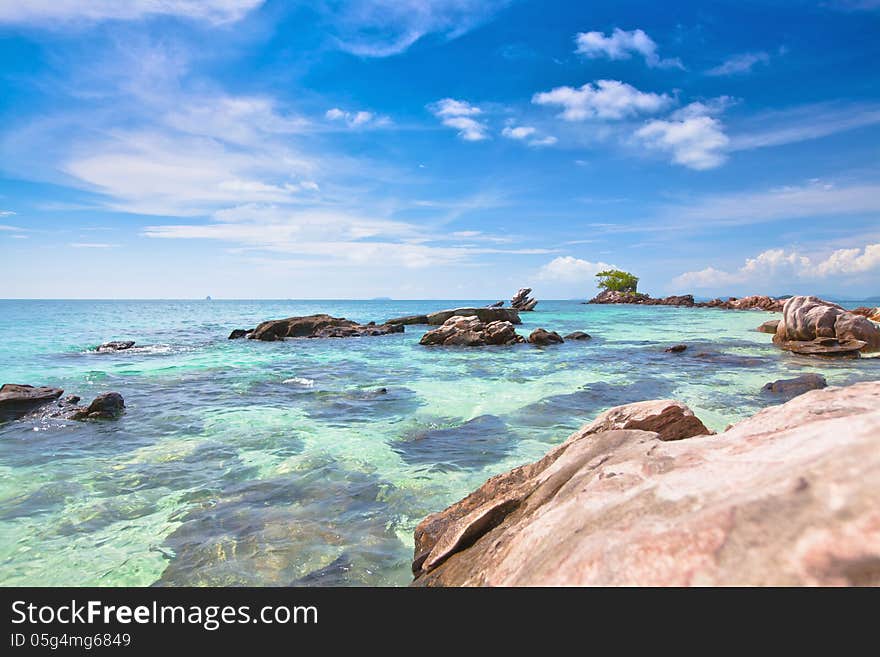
<point>339,408</point>
<point>473,444</point>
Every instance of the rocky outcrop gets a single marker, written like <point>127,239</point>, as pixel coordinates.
<point>790,388</point>
<point>318,326</point>
<point>543,337</point>
<point>578,335</point>
<point>754,302</point>
<point>18,399</point>
<point>613,296</point>
<point>470,331</point>
<point>768,327</point>
<point>790,496</point>
<point>521,300</point>
<point>116,345</point>
<point>813,326</point>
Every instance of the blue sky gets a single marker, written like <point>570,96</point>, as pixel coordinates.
<point>447,149</point>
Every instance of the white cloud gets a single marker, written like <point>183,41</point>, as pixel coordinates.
<point>382,28</point>
<point>622,44</point>
<point>6,213</point>
<point>357,119</point>
<point>42,11</point>
<point>569,269</point>
<point>543,141</point>
<point>458,114</point>
<point>693,138</point>
<point>607,99</point>
<point>778,266</point>
<point>518,132</point>
<point>742,63</point>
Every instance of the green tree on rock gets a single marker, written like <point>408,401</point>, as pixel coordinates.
<point>617,281</point>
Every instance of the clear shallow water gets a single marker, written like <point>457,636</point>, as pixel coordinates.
<point>248,463</point>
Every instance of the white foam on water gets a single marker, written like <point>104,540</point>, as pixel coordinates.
<point>307,383</point>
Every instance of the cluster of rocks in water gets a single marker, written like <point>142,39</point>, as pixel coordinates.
<point>812,326</point>
<point>313,326</point>
<point>754,302</point>
<point>18,400</point>
<point>646,495</point>
<point>471,331</point>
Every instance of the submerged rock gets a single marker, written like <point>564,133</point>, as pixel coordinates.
<point>521,300</point>
<point>116,345</point>
<point>318,326</point>
<point>813,326</point>
<point>471,332</point>
<point>578,335</point>
<point>105,406</point>
<point>769,327</point>
<point>18,399</point>
<point>542,337</point>
<point>240,333</point>
<point>615,504</point>
<point>676,349</point>
<point>472,444</point>
<point>790,388</point>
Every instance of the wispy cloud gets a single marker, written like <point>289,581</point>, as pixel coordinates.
<point>527,134</point>
<point>459,114</point>
<point>382,28</point>
<point>357,119</point>
<point>622,44</point>
<point>42,12</point>
<point>606,99</point>
<point>739,64</point>
<point>569,269</point>
<point>6,213</point>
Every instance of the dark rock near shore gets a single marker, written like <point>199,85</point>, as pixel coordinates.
<point>483,314</point>
<point>578,335</point>
<point>521,300</point>
<point>470,331</point>
<point>116,345</point>
<point>17,399</point>
<point>676,349</point>
<point>543,337</point>
<point>240,333</point>
<point>106,406</point>
<point>790,388</point>
<point>319,326</point>
<point>769,327</point>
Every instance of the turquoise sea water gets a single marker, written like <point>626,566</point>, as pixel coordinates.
<point>249,463</point>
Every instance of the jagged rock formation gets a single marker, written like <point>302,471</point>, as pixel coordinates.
<point>521,300</point>
<point>787,497</point>
<point>813,326</point>
<point>471,331</point>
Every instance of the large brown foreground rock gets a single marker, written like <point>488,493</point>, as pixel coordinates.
<point>314,326</point>
<point>811,319</point>
<point>790,496</point>
<point>19,399</point>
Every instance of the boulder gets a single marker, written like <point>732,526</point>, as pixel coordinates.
<point>578,335</point>
<point>790,388</point>
<point>105,406</point>
<point>787,497</point>
<point>676,349</point>
<point>319,326</point>
<point>483,314</point>
<point>542,337</point>
<point>20,399</point>
<point>521,300</point>
<point>240,333</point>
<point>769,326</point>
<point>116,345</point>
<point>808,319</point>
<point>408,320</point>
<point>470,331</point>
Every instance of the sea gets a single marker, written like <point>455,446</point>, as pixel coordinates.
<point>309,462</point>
